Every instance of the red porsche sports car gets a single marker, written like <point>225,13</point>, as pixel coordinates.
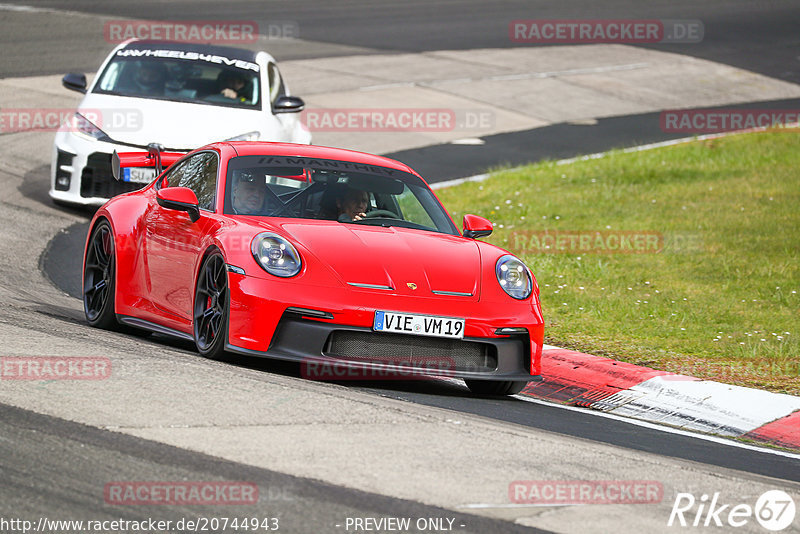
<point>319,255</point>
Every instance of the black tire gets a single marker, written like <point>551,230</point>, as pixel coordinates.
<point>495,387</point>
<point>211,308</point>
<point>99,273</point>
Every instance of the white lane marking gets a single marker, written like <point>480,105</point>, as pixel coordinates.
<point>479,506</point>
<point>36,9</point>
<point>12,7</point>
<point>568,72</point>
<point>386,86</point>
<point>662,428</point>
<point>468,141</point>
<point>458,181</point>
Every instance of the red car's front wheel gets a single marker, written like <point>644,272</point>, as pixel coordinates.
<point>98,278</point>
<point>211,307</point>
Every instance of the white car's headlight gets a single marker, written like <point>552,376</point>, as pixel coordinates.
<point>82,125</point>
<point>249,136</point>
<point>514,277</point>
<point>276,255</point>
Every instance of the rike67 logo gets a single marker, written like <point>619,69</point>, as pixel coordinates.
<point>774,510</point>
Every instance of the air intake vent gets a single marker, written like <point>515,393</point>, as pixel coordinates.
<point>412,351</point>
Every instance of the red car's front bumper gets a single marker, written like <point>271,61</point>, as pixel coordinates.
<point>278,319</point>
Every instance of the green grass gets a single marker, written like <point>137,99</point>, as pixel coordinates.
<point>719,301</point>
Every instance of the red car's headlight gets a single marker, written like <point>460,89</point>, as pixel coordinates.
<point>276,255</point>
<point>514,277</point>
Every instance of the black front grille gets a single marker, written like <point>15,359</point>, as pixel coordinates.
<point>97,180</point>
<point>412,351</point>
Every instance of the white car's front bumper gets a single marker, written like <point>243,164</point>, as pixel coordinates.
<point>80,170</point>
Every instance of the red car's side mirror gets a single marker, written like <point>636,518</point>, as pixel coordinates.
<point>180,199</point>
<point>475,226</point>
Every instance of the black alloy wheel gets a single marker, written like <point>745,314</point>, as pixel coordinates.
<point>98,278</point>
<point>211,307</point>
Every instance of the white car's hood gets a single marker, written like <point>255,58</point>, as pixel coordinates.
<point>176,125</point>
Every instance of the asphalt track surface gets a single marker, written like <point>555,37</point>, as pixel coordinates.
<point>761,37</point>
<point>757,36</point>
<point>67,484</point>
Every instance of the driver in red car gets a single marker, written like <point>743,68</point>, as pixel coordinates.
<point>248,194</point>
<point>345,204</point>
<point>352,205</point>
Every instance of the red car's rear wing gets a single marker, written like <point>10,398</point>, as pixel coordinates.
<point>155,158</point>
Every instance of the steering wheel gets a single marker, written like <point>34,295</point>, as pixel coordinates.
<point>381,213</point>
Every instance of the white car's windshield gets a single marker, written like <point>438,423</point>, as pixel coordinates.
<point>184,77</point>
<point>280,186</point>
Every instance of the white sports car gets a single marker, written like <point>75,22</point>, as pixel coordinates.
<point>176,95</point>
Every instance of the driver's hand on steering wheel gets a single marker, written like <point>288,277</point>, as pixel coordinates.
<point>345,217</point>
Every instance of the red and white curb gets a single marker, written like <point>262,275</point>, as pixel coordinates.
<point>680,401</point>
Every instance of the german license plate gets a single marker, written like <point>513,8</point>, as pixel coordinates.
<point>139,175</point>
<point>422,325</point>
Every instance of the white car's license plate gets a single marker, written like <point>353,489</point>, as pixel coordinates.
<point>139,175</point>
<point>423,325</point>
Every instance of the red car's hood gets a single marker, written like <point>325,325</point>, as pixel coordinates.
<point>394,257</point>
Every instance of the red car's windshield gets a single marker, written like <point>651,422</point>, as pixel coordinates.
<point>279,186</point>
